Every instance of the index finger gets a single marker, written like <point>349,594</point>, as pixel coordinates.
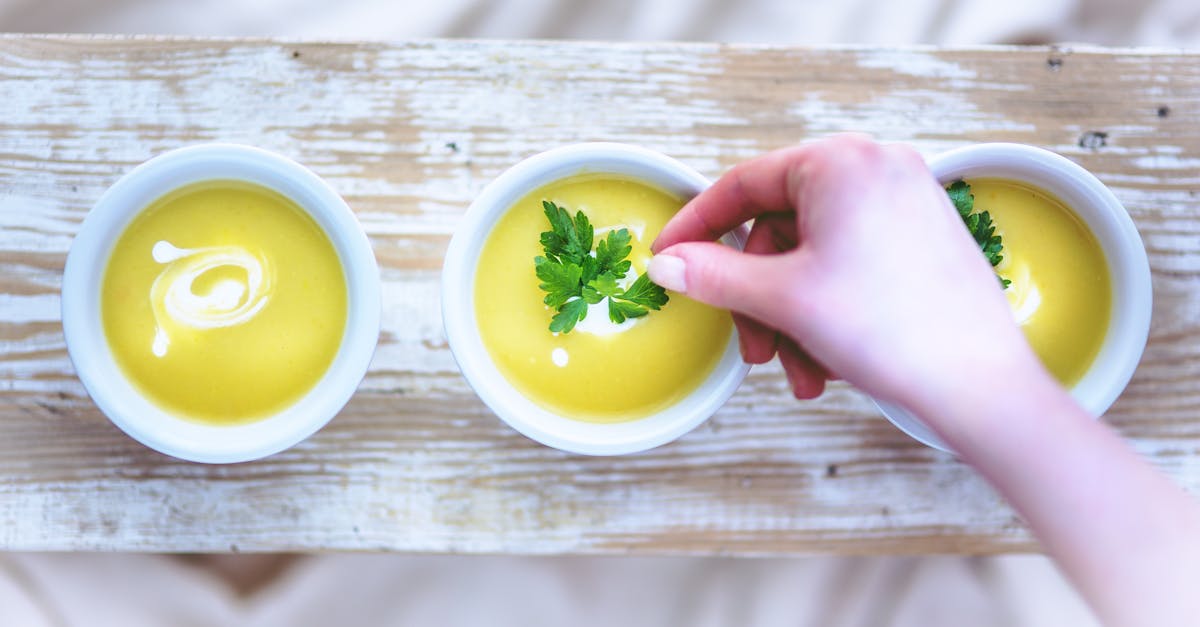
<point>761,185</point>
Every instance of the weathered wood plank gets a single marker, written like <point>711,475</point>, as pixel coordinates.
<point>408,133</point>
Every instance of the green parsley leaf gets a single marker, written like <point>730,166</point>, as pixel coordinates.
<point>612,251</point>
<point>573,277</point>
<point>960,195</point>
<point>619,310</point>
<point>603,286</point>
<point>568,315</point>
<point>979,225</point>
<point>567,240</point>
<point>560,281</point>
<point>583,232</point>
<point>645,293</point>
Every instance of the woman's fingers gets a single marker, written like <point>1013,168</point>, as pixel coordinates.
<point>747,191</point>
<point>758,341</point>
<point>772,233</point>
<point>720,276</point>
<point>805,375</point>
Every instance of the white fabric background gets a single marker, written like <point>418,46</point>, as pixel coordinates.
<point>137,590</point>
<point>1110,22</point>
<point>454,591</point>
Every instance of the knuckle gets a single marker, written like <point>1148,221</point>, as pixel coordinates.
<point>859,144</point>
<point>906,155</point>
<point>854,140</point>
<point>851,152</point>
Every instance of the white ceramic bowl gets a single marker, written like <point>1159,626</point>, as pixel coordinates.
<point>458,306</point>
<point>93,359</point>
<point>1083,193</point>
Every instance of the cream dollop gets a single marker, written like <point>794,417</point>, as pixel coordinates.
<point>1024,297</point>
<point>227,303</point>
<point>597,321</point>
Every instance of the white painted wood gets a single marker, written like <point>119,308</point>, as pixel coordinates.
<point>408,133</point>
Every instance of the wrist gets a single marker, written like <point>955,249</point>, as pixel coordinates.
<point>1016,404</point>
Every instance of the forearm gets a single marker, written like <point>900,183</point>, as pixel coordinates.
<point>1126,535</point>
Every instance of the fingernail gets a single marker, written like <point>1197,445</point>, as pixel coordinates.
<point>668,271</point>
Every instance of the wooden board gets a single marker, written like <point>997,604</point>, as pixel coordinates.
<point>409,133</point>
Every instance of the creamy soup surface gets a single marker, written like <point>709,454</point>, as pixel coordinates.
<point>224,302</point>
<point>1060,292</point>
<point>600,371</point>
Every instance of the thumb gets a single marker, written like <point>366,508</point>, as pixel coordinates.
<point>723,277</point>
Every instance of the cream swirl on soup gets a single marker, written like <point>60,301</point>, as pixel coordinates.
<point>229,301</point>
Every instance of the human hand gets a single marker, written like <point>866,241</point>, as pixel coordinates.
<point>857,267</point>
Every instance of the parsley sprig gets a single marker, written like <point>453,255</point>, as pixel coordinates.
<point>979,224</point>
<point>574,277</point>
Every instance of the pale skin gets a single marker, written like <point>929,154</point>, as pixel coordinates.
<point>858,268</point>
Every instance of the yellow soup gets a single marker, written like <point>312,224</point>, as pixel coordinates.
<point>600,371</point>
<point>224,302</point>
<point>1060,292</point>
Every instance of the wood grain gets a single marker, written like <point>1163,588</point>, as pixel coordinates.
<point>409,133</point>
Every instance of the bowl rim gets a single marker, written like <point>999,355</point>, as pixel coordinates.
<point>1122,246</point>
<point>91,356</point>
<point>473,358</point>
